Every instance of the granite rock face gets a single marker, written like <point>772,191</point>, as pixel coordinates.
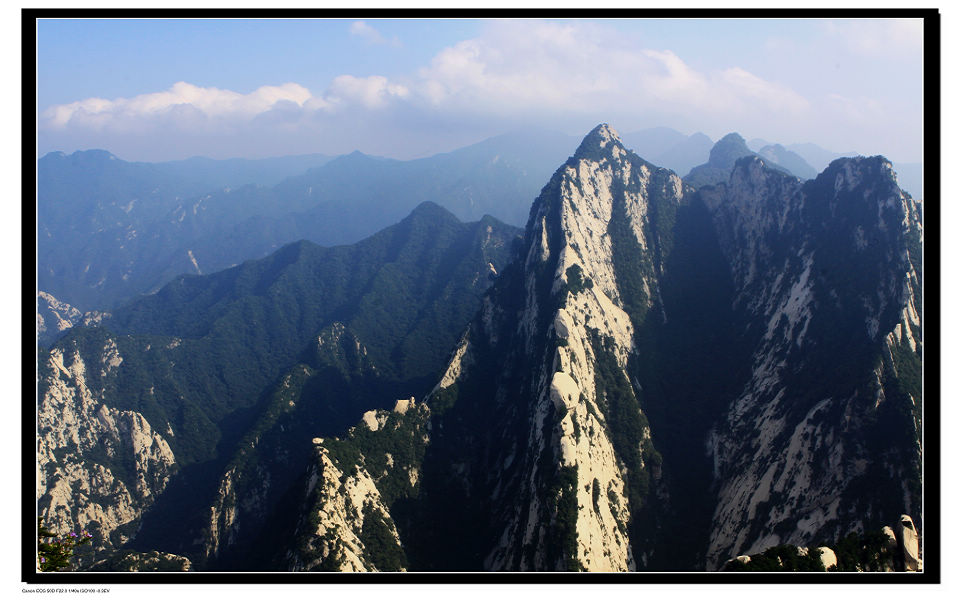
<point>566,431</point>
<point>98,468</point>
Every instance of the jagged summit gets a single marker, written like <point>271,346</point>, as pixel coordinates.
<point>872,164</point>
<point>595,142</point>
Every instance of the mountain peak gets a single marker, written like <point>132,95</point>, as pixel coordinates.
<point>727,150</point>
<point>430,215</point>
<point>601,137</point>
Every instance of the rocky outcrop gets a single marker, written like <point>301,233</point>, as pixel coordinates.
<point>347,504</point>
<point>785,558</point>
<point>350,488</point>
<point>574,399</point>
<point>54,317</point>
<point>828,558</point>
<point>98,468</point>
<point>909,543</point>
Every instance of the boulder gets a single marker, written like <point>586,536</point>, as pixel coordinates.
<point>909,543</point>
<point>370,418</point>
<point>828,558</point>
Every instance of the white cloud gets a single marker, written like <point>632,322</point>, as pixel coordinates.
<point>371,35</point>
<point>537,66</point>
<point>554,74</point>
<point>515,68</point>
<point>370,92</point>
<point>182,98</point>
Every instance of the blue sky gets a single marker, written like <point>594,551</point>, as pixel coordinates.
<point>167,89</point>
<point>110,58</point>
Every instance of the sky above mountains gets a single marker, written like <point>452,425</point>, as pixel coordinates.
<point>160,89</point>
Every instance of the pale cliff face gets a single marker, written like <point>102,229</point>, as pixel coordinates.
<point>568,425</point>
<point>544,360</point>
<point>76,488</point>
<point>345,522</point>
<point>340,514</point>
<point>564,435</point>
<point>53,315</point>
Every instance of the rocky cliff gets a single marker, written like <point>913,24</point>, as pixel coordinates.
<point>824,436</point>
<point>664,379</point>
<point>98,468</point>
<point>346,522</point>
<point>539,453</point>
<point>54,317</point>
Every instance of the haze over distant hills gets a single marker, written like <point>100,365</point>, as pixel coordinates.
<point>909,175</point>
<point>669,148</point>
<point>110,230</point>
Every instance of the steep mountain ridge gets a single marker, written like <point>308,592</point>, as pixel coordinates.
<point>54,317</point>
<point>826,271</point>
<point>664,378</point>
<point>537,432</point>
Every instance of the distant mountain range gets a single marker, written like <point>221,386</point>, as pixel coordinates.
<point>909,175</point>
<point>669,148</point>
<point>111,230</point>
